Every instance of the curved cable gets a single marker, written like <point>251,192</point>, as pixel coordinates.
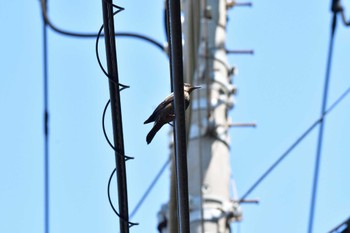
<point>98,56</point>
<point>111,203</point>
<point>120,169</point>
<point>93,35</point>
<point>284,155</point>
<point>103,125</point>
<point>105,132</point>
<point>146,193</point>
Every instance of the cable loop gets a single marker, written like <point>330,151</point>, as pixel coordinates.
<point>104,128</point>
<point>110,201</point>
<point>296,142</point>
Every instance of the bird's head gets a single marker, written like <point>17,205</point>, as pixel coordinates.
<point>189,88</point>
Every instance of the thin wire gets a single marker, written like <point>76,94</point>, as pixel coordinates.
<point>284,155</point>
<point>320,135</point>
<point>99,60</point>
<point>150,187</point>
<point>93,35</point>
<point>46,133</point>
<point>105,132</point>
<point>144,196</point>
<point>111,203</point>
<point>103,124</point>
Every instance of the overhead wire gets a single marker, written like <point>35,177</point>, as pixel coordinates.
<point>150,187</point>
<point>299,139</point>
<point>323,109</point>
<point>46,131</point>
<point>176,70</point>
<point>111,203</point>
<point>94,35</point>
<point>114,90</point>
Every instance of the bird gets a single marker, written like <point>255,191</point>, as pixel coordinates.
<point>164,113</point>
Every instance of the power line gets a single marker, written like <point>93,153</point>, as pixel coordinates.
<point>46,131</point>
<point>323,109</point>
<point>284,155</point>
<point>94,35</point>
<point>112,65</point>
<point>176,69</point>
<point>144,195</point>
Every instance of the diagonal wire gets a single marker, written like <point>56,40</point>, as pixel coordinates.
<point>145,194</point>
<point>321,129</point>
<point>284,155</point>
<point>150,187</point>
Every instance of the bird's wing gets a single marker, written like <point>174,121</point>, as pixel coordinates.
<point>160,107</point>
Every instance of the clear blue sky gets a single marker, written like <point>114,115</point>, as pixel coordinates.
<point>279,88</point>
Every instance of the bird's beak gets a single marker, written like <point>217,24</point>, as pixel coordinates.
<point>195,87</point>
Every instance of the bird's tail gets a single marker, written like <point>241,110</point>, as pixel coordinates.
<point>154,130</point>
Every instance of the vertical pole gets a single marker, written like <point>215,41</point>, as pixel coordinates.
<point>209,142</point>
<point>176,68</point>
<point>111,57</point>
<point>46,131</point>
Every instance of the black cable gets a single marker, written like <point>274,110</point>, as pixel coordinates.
<point>99,60</point>
<point>111,203</point>
<point>284,155</point>
<point>114,90</point>
<point>145,194</point>
<point>104,127</point>
<point>279,160</point>
<point>321,129</point>
<point>176,70</point>
<point>46,132</point>
<point>93,35</point>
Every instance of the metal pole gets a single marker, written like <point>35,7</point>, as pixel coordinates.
<point>212,208</point>
<point>176,68</point>
<point>111,57</point>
